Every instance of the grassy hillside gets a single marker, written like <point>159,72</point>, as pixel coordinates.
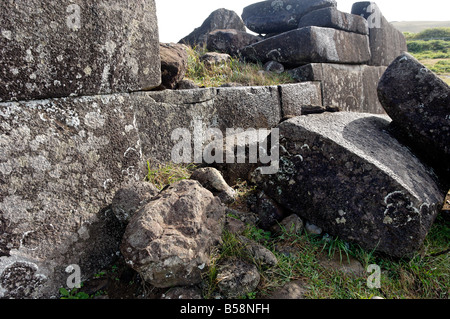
<point>419,26</point>
<point>432,48</point>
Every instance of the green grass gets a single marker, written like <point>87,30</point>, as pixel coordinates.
<point>425,276</point>
<point>162,175</point>
<point>233,71</point>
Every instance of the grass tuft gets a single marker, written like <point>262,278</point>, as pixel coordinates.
<point>233,71</point>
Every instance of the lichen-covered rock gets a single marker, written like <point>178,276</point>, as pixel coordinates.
<point>311,45</point>
<point>344,173</point>
<point>280,15</point>
<point>418,102</point>
<point>236,278</point>
<point>170,239</point>
<point>58,49</point>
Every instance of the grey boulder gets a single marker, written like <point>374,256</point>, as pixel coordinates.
<point>418,102</point>
<point>169,240</point>
<point>344,173</point>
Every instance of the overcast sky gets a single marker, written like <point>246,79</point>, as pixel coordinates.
<point>178,18</point>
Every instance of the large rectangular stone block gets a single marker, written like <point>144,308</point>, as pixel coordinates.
<point>61,161</point>
<point>347,87</point>
<point>57,49</point>
<point>311,45</point>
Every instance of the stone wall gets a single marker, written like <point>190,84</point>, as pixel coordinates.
<point>65,149</point>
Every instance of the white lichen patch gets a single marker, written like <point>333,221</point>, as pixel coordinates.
<point>94,120</point>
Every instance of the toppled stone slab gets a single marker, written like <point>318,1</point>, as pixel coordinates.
<point>418,102</point>
<point>169,241</point>
<point>218,20</point>
<point>331,17</point>
<point>54,49</point>
<point>386,42</point>
<point>280,16</point>
<point>346,174</point>
<point>346,87</point>
<point>311,45</point>
<point>62,161</point>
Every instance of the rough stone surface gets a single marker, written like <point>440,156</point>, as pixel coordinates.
<point>213,58</point>
<point>343,263</point>
<point>62,161</point>
<point>230,41</point>
<point>129,199</point>
<point>260,253</point>
<point>169,240</point>
<point>386,42</point>
<point>292,290</point>
<point>187,84</point>
<point>281,15</point>
<point>273,66</point>
<point>269,211</point>
<point>333,18</point>
<point>311,45</point>
<point>418,102</point>
<point>182,293</point>
<point>236,278</point>
<point>346,87</point>
<point>292,224</point>
<point>346,174</point>
<point>211,179</point>
<point>217,20</point>
<point>301,99</point>
<point>174,60</point>
<point>56,49</point>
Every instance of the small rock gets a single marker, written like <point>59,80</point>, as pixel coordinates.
<point>234,226</point>
<point>186,84</point>
<point>236,278</point>
<point>269,211</point>
<point>214,58</point>
<point>130,199</point>
<point>259,252</point>
<point>211,179</point>
<point>292,224</point>
<point>292,290</point>
<point>342,262</point>
<point>313,229</point>
<point>274,66</point>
